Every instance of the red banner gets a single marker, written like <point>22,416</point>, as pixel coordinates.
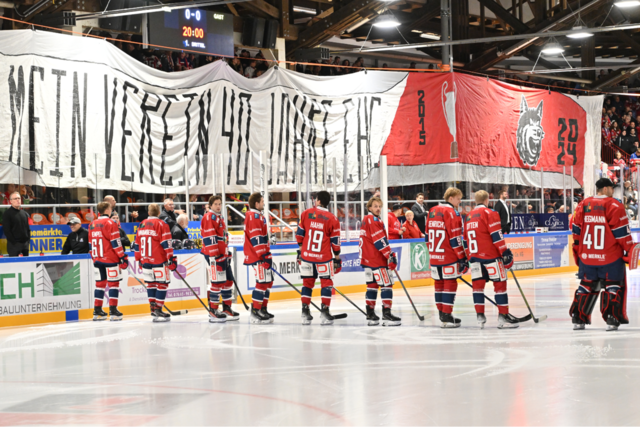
<point>493,125</point>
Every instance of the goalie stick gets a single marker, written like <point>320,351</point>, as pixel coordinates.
<point>535,319</point>
<point>509,315</point>
<point>335,316</point>
<point>173,313</point>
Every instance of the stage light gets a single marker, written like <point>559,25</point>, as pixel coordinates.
<point>386,21</point>
<point>552,48</point>
<point>579,34</point>
<point>627,3</point>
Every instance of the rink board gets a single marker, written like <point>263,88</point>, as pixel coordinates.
<point>58,288</point>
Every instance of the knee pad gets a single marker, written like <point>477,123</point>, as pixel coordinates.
<point>102,284</point>
<point>262,286</point>
<point>450,285</point>
<point>613,301</point>
<point>585,300</point>
<point>326,283</point>
<point>228,286</point>
<point>308,282</point>
<point>215,287</point>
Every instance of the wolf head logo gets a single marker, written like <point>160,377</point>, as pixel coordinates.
<point>530,133</point>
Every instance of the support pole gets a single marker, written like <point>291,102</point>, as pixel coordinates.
<point>335,187</point>
<point>214,170</point>
<point>345,175</point>
<point>445,20</point>
<point>264,188</point>
<point>307,178</point>
<point>542,190</point>
<point>223,192</point>
<point>251,172</point>
<point>362,163</point>
<point>299,189</point>
<point>383,192</point>
<point>186,189</point>
<point>564,188</point>
<point>571,189</point>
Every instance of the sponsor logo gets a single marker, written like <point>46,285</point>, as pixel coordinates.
<point>553,221</point>
<point>530,133</point>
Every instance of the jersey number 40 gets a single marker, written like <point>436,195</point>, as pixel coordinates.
<point>594,237</point>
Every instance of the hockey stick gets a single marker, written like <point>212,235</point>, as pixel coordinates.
<point>535,319</point>
<point>173,313</point>
<point>192,291</point>
<point>509,315</point>
<point>352,303</point>
<point>410,300</point>
<point>335,316</point>
<point>233,279</point>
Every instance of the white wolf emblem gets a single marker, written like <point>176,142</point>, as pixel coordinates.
<point>530,133</point>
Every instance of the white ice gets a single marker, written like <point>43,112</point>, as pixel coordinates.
<point>191,372</point>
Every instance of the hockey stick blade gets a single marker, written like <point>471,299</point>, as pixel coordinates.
<point>340,316</point>
<point>540,319</point>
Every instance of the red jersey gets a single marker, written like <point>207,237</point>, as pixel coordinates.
<point>443,235</point>
<point>374,245</point>
<point>256,237</point>
<point>483,234</point>
<point>601,228</point>
<point>104,238</point>
<point>318,235</point>
<point>153,242</point>
<point>214,235</point>
<point>394,227</point>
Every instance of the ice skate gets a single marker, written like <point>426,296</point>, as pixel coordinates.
<point>505,323</point>
<point>325,315</point>
<point>160,316</point>
<point>389,319</point>
<point>266,314</point>
<point>612,323</point>
<point>231,315</point>
<point>306,315</point>
<point>98,314</point>
<point>372,317</point>
<point>152,307</point>
<point>448,321</point>
<point>482,319</point>
<point>258,317</point>
<point>114,314</point>
<point>578,325</point>
<point>216,316</point>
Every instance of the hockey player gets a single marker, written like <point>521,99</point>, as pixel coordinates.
<point>214,249</point>
<point>257,254</point>
<point>108,259</point>
<point>489,259</point>
<point>601,242</point>
<point>154,252</point>
<point>377,260</point>
<point>319,255</point>
<point>443,235</point>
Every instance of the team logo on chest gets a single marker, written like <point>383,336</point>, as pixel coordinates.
<point>530,133</point>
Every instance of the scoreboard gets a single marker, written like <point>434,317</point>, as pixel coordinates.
<point>193,29</point>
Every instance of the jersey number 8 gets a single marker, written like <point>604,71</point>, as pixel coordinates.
<point>433,236</point>
<point>596,238</point>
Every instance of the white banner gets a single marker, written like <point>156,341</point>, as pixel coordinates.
<point>78,112</point>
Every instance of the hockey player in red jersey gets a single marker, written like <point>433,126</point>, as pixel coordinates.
<point>601,241</point>
<point>489,259</point>
<point>443,235</point>
<point>318,236</point>
<point>257,254</point>
<point>153,250</point>
<point>377,260</point>
<point>214,249</point>
<point>108,259</point>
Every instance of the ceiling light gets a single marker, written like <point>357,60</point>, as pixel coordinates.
<point>386,21</point>
<point>166,8</point>
<point>430,36</point>
<point>579,34</point>
<point>627,3</point>
<point>301,9</point>
<point>552,48</point>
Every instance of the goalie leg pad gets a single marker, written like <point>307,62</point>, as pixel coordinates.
<point>584,300</point>
<point>449,295</point>
<point>614,301</point>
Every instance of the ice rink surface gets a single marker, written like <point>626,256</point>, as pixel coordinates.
<point>191,372</point>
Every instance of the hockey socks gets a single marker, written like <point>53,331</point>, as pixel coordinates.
<point>449,295</point>
<point>227,292</point>
<point>151,292</point>
<point>438,288</point>
<point>214,297</point>
<point>307,290</point>
<point>99,293</point>
<point>386,295</point>
<point>372,294</point>
<point>161,294</point>
<point>113,294</point>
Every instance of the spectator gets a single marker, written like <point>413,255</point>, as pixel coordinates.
<point>250,71</point>
<point>413,231</point>
<point>16,227</point>
<point>182,62</point>
<point>385,65</point>
<point>167,214</point>
<point>504,210</point>
<point>412,66</point>
<point>236,65</point>
<point>420,212</point>
<point>396,229</point>
<point>633,136</point>
<point>346,67</point>
<point>615,131</point>
<point>138,215</point>
<point>124,239</point>
<point>178,231</point>
<point>606,134</point>
<point>167,61</point>
<point>78,240</point>
<point>112,202</point>
<point>151,60</point>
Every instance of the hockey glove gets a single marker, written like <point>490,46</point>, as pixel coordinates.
<point>507,258</point>
<point>576,254</point>
<point>172,263</point>
<point>337,265</point>
<point>299,258</point>
<point>124,262</point>
<point>267,262</point>
<point>393,261</point>
<point>463,265</point>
